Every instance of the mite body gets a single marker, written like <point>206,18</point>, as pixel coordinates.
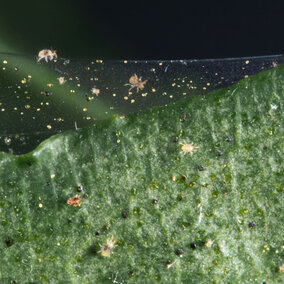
<point>108,247</point>
<point>136,82</point>
<point>47,54</point>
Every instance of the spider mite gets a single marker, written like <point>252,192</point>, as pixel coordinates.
<point>135,82</point>
<point>46,54</point>
<point>108,247</point>
<point>187,148</point>
<point>74,201</point>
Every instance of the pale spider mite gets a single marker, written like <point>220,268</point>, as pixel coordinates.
<point>61,80</point>
<point>95,91</point>
<point>187,148</point>
<point>47,54</point>
<point>108,247</point>
<point>135,82</point>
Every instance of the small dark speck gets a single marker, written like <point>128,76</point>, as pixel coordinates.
<point>184,177</point>
<point>179,252</point>
<point>263,282</point>
<point>180,198</point>
<point>13,282</point>
<point>201,168</point>
<point>228,139</point>
<point>175,139</point>
<point>226,190</point>
<point>97,233</point>
<point>182,117</point>
<point>85,195</point>
<point>168,262</point>
<point>8,242</point>
<point>131,272</point>
<point>193,246</point>
<point>47,183</point>
<point>251,224</point>
<point>69,221</point>
<point>219,153</point>
<point>124,214</point>
<point>59,131</point>
<point>46,93</point>
<point>190,223</point>
<point>265,148</point>
<point>155,201</point>
<point>79,188</point>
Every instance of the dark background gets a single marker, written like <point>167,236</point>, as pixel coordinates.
<point>136,30</point>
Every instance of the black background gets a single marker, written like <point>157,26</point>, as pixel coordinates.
<point>140,30</point>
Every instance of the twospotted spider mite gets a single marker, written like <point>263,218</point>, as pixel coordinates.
<point>187,148</point>
<point>47,54</point>
<point>108,247</point>
<point>135,82</point>
<point>74,201</point>
<point>61,80</point>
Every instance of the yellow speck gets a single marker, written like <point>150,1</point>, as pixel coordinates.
<point>126,98</point>
<point>58,243</point>
<point>72,91</point>
<point>173,178</point>
<point>84,109</point>
<point>27,106</point>
<point>132,101</point>
<point>144,94</point>
<point>209,243</point>
<point>40,205</point>
<point>38,109</point>
<point>152,69</point>
<point>171,96</point>
<point>125,61</point>
<point>117,141</point>
<point>2,109</point>
<point>15,108</point>
<point>153,90</point>
<point>88,118</point>
<point>49,85</point>
<point>24,81</point>
<point>5,62</point>
<point>114,95</point>
<point>247,62</point>
<point>78,85</point>
<point>48,126</point>
<point>29,76</point>
<point>246,76</point>
<point>223,166</point>
<point>277,251</point>
<point>0,104</point>
<point>160,63</point>
<point>204,88</point>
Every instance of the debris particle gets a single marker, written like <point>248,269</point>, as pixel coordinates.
<point>208,243</point>
<point>219,154</point>
<point>175,139</point>
<point>182,117</point>
<point>170,264</point>
<point>179,252</point>
<point>124,214</point>
<point>173,178</point>
<point>69,221</point>
<point>201,168</point>
<point>8,242</point>
<point>85,195</point>
<point>252,224</point>
<point>228,139</point>
<point>193,245</point>
<point>97,233</point>
<point>155,201</point>
<point>74,201</point>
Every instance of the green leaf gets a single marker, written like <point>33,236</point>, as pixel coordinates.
<point>211,215</point>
